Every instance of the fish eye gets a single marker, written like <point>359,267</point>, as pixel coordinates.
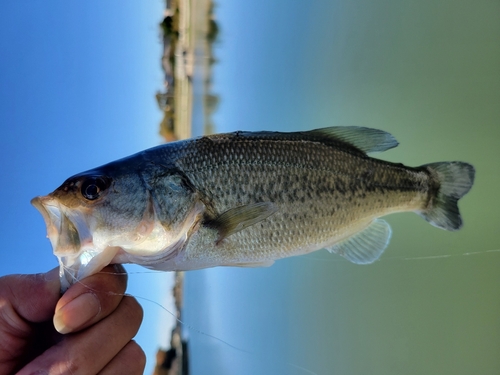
<point>92,187</point>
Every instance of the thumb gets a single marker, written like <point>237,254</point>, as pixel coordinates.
<point>33,297</point>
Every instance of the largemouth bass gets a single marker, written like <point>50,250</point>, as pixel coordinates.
<point>245,199</point>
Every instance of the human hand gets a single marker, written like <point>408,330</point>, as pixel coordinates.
<point>95,329</point>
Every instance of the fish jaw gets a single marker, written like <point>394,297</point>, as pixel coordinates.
<point>73,268</point>
<point>71,239</point>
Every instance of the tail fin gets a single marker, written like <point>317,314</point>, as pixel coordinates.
<point>455,179</point>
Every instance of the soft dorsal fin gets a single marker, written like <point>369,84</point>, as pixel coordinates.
<point>367,246</point>
<point>239,218</point>
<point>365,139</point>
<point>362,139</point>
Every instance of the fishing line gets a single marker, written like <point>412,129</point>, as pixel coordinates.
<point>427,257</point>
<point>448,256</point>
<point>181,322</point>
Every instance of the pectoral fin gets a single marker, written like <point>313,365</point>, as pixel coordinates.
<point>367,246</point>
<point>241,217</point>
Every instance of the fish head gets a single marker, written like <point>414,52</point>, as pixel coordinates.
<point>82,221</point>
<point>112,215</point>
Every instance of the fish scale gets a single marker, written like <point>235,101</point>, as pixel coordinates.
<point>318,192</point>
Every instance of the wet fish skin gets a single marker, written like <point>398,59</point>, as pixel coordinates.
<point>247,199</point>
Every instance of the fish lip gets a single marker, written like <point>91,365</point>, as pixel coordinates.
<point>51,213</point>
<point>38,203</point>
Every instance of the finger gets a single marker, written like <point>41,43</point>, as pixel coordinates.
<point>32,297</point>
<point>130,361</point>
<point>90,299</point>
<point>24,299</point>
<point>89,351</point>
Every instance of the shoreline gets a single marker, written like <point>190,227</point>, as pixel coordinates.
<point>189,33</point>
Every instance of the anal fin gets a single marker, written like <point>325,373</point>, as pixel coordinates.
<point>367,246</point>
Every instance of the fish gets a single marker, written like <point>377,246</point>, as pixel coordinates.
<point>245,199</point>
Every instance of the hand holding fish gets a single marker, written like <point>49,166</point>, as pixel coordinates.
<point>90,332</point>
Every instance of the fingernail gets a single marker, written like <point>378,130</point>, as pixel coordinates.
<point>76,313</point>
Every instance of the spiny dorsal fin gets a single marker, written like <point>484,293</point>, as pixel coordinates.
<point>367,246</point>
<point>366,140</point>
<point>241,217</point>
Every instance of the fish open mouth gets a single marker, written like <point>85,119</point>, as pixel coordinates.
<point>71,239</point>
<point>61,232</point>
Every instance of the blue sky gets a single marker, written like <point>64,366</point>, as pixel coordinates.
<point>77,88</point>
